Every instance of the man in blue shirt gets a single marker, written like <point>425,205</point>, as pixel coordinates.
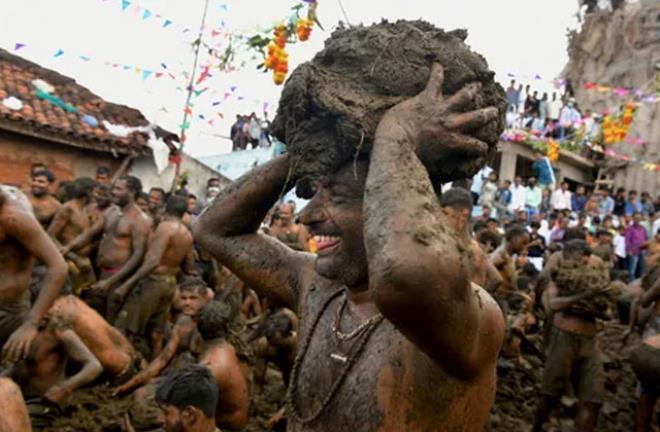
<point>606,204</point>
<point>633,205</point>
<point>543,170</point>
<point>579,199</point>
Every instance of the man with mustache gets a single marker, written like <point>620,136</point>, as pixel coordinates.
<point>394,336</point>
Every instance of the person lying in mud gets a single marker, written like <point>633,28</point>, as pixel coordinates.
<point>114,352</point>
<point>22,240</point>
<point>394,336</point>
<point>14,416</point>
<point>457,203</point>
<point>183,336</point>
<point>69,222</point>
<point>220,358</point>
<point>144,300</point>
<point>42,375</point>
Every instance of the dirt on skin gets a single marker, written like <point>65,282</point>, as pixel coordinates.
<point>330,106</point>
<point>518,392</point>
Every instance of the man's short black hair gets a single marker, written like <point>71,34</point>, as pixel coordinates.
<point>133,184</point>
<point>103,170</point>
<point>487,237</point>
<point>189,386</point>
<point>576,248</point>
<point>513,231</point>
<point>44,173</point>
<point>275,323</point>
<point>602,233</point>
<point>81,187</point>
<point>160,190</point>
<point>458,199</point>
<point>194,284</point>
<point>176,206</point>
<point>574,233</point>
<point>479,225</point>
<point>213,320</point>
<point>535,224</point>
<point>142,195</point>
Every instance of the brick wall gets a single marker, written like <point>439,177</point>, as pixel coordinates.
<point>18,153</point>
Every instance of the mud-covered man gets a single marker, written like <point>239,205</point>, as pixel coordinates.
<point>44,204</point>
<point>394,335</point>
<point>144,300</point>
<point>516,240</point>
<point>573,355</point>
<point>22,241</point>
<point>125,230</point>
<point>69,222</point>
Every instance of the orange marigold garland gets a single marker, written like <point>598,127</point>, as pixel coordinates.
<point>277,58</point>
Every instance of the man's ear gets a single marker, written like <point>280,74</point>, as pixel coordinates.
<point>189,416</point>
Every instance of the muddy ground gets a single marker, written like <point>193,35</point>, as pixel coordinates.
<point>94,410</point>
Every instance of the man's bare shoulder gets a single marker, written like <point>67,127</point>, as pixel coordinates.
<point>12,198</point>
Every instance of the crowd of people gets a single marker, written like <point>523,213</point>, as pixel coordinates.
<point>407,300</point>
<point>249,131</point>
<point>554,116</point>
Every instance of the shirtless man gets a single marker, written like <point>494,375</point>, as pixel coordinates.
<point>457,204</point>
<point>12,403</point>
<point>390,282</point>
<point>69,222</point>
<point>42,375</point>
<point>101,203</point>
<point>573,355</point>
<point>124,242</point>
<point>278,345</point>
<point>22,240</point>
<point>156,202</point>
<point>645,362</point>
<point>517,238</point>
<point>286,231</point>
<point>43,203</point>
<point>113,351</point>
<point>188,399</point>
<point>147,295</point>
<point>192,297</point>
<point>218,356</point>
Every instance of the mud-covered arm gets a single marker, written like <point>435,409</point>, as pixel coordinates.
<point>493,278</point>
<point>418,269</point>
<point>78,352</point>
<point>156,366</point>
<point>558,303</point>
<point>86,237</point>
<point>650,296</point>
<point>154,254</point>
<point>22,226</point>
<point>228,230</point>
<point>60,220</point>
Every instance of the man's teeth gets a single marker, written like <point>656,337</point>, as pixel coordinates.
<point>325,239</point>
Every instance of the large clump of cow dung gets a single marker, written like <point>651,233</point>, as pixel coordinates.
<point>330,106</point>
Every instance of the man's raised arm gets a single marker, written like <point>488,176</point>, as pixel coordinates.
<point>418,268</point>
<point>228,230</point>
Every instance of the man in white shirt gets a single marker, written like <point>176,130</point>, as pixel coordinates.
<point>517,195</point>
<point>554,107</point>
<point>533,197</point>
<point>478,181</point>
<point>561,198</point>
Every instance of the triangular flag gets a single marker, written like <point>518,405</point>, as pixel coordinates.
<point>147,14</point>
<point>58,53</point>
<point>127,67</point>
<point>84,58</point>
<point>201,117</point>
<point>125,4</point>
<point>241,98</point>
<point>18,46</point>
<point>233,88</point>
<point>166,23</point>
<point>216,103</point>
<point>163,65</point>
<point>158,74</point>
<point>221,116</point>
<point>214,33</point>
<point>146,74</point>
<point>187,111</point>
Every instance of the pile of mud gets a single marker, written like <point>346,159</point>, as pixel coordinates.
<point>330,106</point>
<point>518,392</point>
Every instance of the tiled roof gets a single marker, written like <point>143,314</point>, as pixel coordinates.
<point>41,118</point>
